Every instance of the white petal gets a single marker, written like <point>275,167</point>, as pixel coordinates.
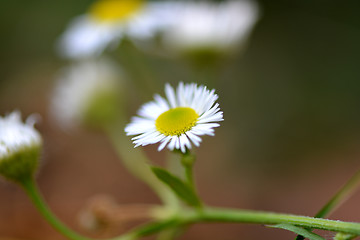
<point>218,117</point>
<point>87,38</point>
<point>163,143</point>
<point>16,135</point>
<point>184,143</point>
<point>221,24</point>
<point>170,94</point>
<point>195,139</point>
<point>177,142</point>
<point>172,143</point>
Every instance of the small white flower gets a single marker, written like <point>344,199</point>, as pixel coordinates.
<point>186,114</point>
<point>108,21</point>
<point>16,136</point>
<point>203,24</point>
<point>78,85</point>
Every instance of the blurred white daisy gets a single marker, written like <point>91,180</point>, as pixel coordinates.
<point>108,21</point>
<point>187,113</point>
<point>16,136</point>
<point>83,86</point>
<point>221,26</point>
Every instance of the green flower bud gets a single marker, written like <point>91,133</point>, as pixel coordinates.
<point>20,147</point>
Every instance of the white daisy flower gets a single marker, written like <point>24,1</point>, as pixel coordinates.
<point>187,113</point>
<point>16,135</point>
<point>106,23</point>
<point>209,25</point>
<point>79,86</point>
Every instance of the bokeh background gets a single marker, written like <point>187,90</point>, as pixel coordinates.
<point>290,138</point>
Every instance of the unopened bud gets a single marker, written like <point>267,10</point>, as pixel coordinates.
<point>20,147</point>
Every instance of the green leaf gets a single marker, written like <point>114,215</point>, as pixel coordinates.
<point>298,230</point>
<point>344,193</point>
<point>181,189</point>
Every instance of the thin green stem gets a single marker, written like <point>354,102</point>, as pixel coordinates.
<point>138,66</point>
<point>248,216</point>
<point>241,216</point>
<point>188,160</point>
<point>189,176</point>
<point>32,191</point>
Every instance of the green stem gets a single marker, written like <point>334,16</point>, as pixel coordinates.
<point>137,64</point>
<point>187,160</point>
<point>242,216</point>
<point>248,216</point>
<point>189,176</point>
<point>32,191</point>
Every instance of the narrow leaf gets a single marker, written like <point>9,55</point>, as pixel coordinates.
<point>344,236</point>
<point>181,189</point>
<point>343,194</point>
<point>298,230</point>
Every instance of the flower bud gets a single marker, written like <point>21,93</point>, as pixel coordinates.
<point>20,147</point>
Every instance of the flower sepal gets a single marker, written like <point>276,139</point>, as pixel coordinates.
<point>188,159</point>
<point>21,165</point>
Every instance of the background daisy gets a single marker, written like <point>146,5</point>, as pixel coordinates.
<point>81,87</point>
<point>220,26</point>
<point>185,114</point>
<point>108,21</point>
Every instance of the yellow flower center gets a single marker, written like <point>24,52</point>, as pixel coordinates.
<point>176,121</point>
<point>113,10</point>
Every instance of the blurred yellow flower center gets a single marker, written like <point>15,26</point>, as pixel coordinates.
<point>113,10</point>
<point>176,121</point>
